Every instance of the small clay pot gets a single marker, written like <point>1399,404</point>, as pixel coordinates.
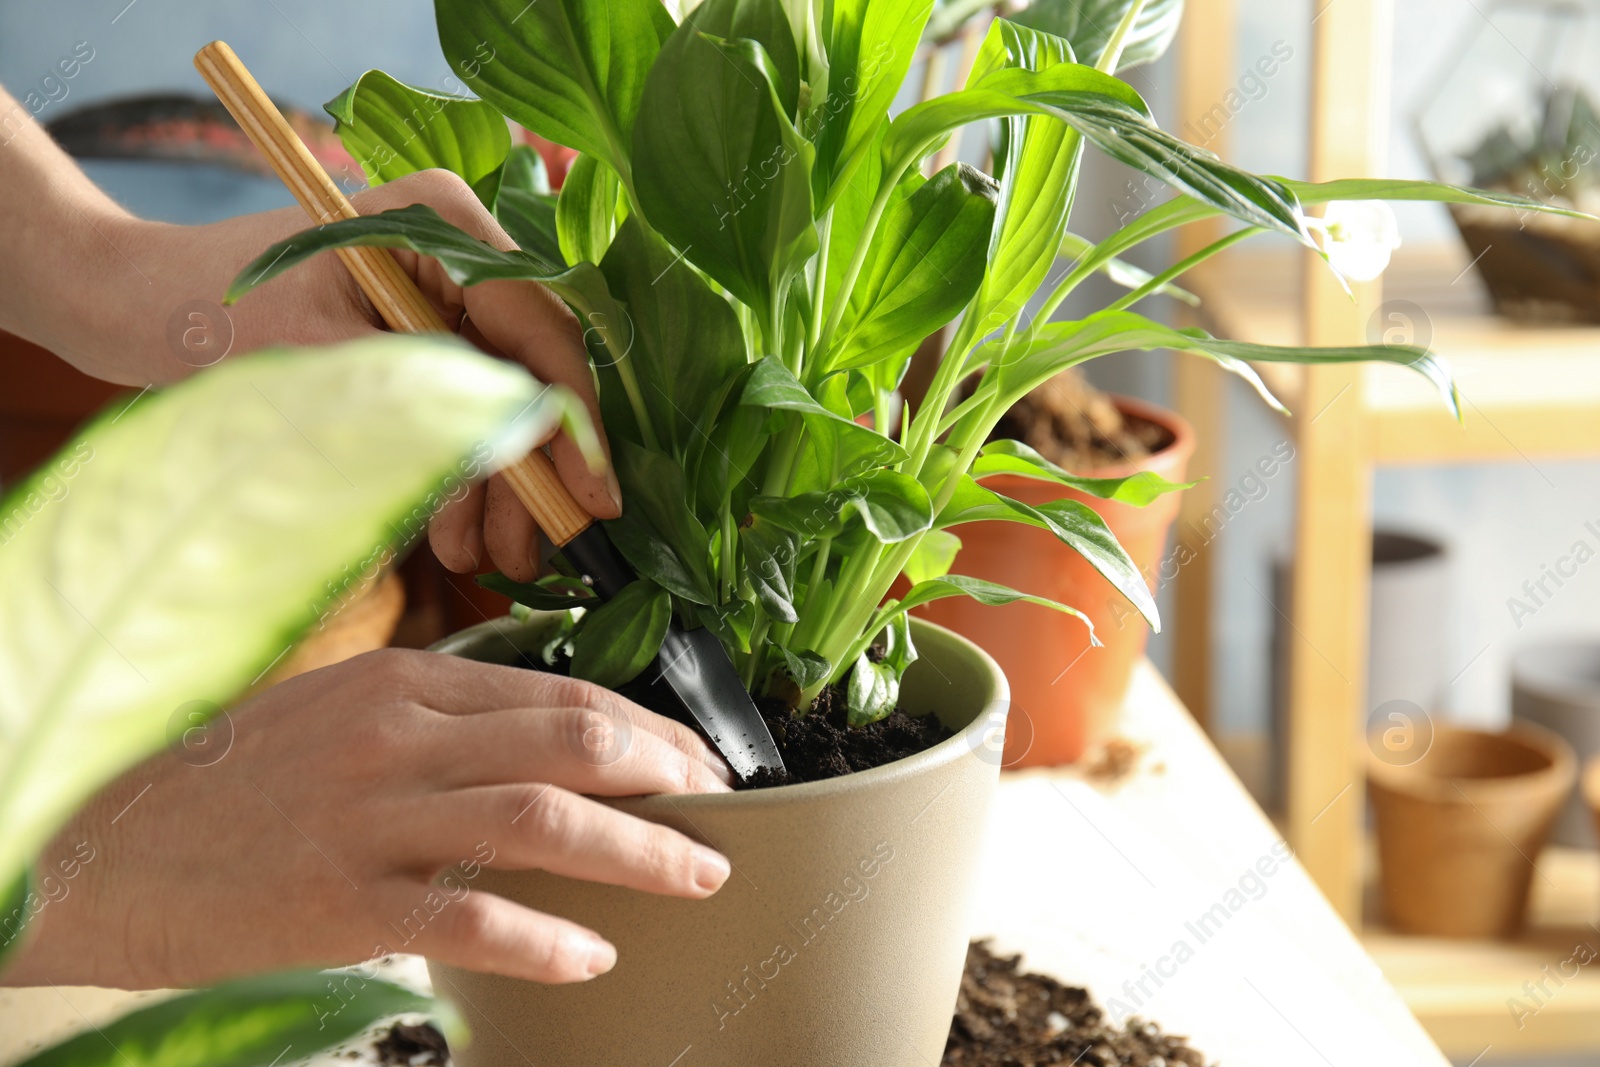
<point>1460,827</point>
<point>1065,694</point>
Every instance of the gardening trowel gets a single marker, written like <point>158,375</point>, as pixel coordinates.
<point>692,662</point>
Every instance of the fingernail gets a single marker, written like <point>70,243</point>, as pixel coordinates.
<point>614,488</point>
<point>710,869</point>
<point>472,544</point>
<point>601,958</point>
<point>721,770</point>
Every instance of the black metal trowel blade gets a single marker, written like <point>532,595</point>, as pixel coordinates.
<point>692,662</point>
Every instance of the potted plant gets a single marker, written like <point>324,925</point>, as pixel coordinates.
<point>1066,688</point>
<point>166,556</point>
<point>754,255</point>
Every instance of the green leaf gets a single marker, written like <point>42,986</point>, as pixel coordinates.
<point>554,592</point>
<point>933,557</point>
<point>923,127</point>
<point>621,637</point>
<point>14,914</point>
<point>687,340</point>
<point>1434,192</point>
<point>721,171</point>
<point>766,23</point>
<point>870,45</point>
<point>1058,345</point>
<point>205,528</point>
<point>874,686</point>
<point>771,385</point>
<point>1120,271</point>
<point>568,70</point>
<point>1088,25</point>
<point>252,1022</point>
<point>990,594</point>
<point>1039,171</point>
<point>926,261</point>
<point>652,557</point>
<point>770,555</point>
<point>525,205</point>
<point>418,227</point>
<point>1014,457</point>
<point>893,507</point>
<point>1074,524</point>
<point>394,129</point>
<point>659,506</point>
<point>806,667</point>
<point>586,213</point>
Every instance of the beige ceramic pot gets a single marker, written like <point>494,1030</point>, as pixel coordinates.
<point>837,942</point>
<point>1460,828</point>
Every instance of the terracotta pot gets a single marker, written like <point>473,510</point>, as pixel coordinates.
<point>838,942</point>
<point>1064,694</point>
<point>1459,829</point>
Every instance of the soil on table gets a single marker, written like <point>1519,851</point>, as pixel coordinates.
<point>1074,425</point>
<point>823,744</point>
<point>1007,1018</point>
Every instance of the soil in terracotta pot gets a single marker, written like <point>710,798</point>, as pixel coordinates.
<point>1074,425</point>
<point>1006,1018</point>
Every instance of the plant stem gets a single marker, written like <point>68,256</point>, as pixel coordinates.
<point>1155,284</point>
<point>1112,55</point>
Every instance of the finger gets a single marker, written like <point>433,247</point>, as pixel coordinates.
<point>509,533</point>
<point>483,932</point>
<point>581,749</point>
<point>548,828</point>
<point>456,533</point>
<point>456,686</point>
<point>532,326</point>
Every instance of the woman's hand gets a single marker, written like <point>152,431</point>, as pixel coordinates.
<point>320,303</point>
<point>308,826</point>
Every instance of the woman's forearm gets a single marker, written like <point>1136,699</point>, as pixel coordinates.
<point>67,259</point>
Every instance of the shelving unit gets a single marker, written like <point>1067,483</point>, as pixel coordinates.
<point>1528,394</point>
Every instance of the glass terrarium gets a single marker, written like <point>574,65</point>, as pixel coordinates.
<point>1516,108</point>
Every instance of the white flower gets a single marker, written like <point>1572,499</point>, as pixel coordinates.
<point>1358,237</point>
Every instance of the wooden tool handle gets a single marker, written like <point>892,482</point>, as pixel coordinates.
<point>533,478</point>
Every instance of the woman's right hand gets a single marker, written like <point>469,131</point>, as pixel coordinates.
<point>307,827</point>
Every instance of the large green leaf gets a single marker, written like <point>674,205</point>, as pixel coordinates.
<point>686,338</point>
<point>204,528</point>
<point>621,637</point>
<point>659,514</point>
<point>1089,24</point>
<point>836,446</point>
<point>984,592</point>
<point>1039,172</point>
<point>393,129</point>
<point>1075,525</point>
<point>568,70</point>
<point>870,46</point>
<point>1014,457</point>
<point>248,1023</point>
<point>926,261</point>
<point>722,172</point>
<point>770,555</point>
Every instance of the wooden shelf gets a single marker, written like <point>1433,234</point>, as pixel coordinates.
<point>1478,995</point>
<point>1526,390</point>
